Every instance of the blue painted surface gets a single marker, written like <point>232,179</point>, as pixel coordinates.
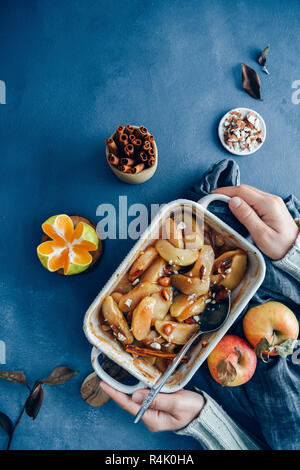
<point>73,71</point>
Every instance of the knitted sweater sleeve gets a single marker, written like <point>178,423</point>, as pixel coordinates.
<point>215,430</point>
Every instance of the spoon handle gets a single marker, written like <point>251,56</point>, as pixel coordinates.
<point>165,376</point>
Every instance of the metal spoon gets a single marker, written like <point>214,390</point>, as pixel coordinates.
<point>213,317</point>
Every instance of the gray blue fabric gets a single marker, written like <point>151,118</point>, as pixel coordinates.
<point>268,406</point>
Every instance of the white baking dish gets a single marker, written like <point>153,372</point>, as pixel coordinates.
<point>139,367</point>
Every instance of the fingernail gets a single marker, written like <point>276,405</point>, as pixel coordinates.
<point>235,202</point>
<point>138,397</point>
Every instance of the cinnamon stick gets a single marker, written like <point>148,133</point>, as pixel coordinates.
<point>137,143</point>
<point>137,169</point>
<point>145,352</point>
<point>129,129</point>
<point>129,150</point>
<point>127,161</point>
<point>112,146</point>
<point>123,140</point>
<point>146,145</point>
<point>124,168</point>
<point>151,161</point>
<point>119,129</point>
<point>141,132</point>
<point>149,138</point>
<point>112,159</point>
<point>143,156</point>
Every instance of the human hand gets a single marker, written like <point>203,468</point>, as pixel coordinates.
<point>265,216</point>
<point>168,412</point>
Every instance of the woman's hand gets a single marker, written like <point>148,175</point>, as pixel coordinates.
<point>168,412</point>
<point>265,216</point>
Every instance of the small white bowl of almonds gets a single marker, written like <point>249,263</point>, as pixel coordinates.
<point>242,131</point>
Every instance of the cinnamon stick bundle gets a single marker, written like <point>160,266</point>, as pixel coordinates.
<point>131,149</point>
<point>112,159</point>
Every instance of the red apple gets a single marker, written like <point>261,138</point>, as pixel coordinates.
<point>269,325</point>
<point>232,362</point>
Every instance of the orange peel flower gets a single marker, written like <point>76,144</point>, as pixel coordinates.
<point>69,247</point>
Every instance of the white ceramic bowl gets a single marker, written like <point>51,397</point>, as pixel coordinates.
<point>139,368</point>
<point>243,111</point>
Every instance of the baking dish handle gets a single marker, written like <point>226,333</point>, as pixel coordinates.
<point>206,200</point>
<point>129,389</point>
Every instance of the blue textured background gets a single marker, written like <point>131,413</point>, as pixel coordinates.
<point>74,70</point>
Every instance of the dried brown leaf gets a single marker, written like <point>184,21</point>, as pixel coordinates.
<point>17,376</point>
<point>6,423</point>
<point>251,82</point>
<point>59,375</point>
<point>263,57</point>
<point>263,347</point>
<point>226,372</point>
<point>286,348</point>
<point>91,391</point>
<point>35,400</point>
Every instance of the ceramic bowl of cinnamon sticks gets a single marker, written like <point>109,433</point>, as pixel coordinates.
<point>131,153</point>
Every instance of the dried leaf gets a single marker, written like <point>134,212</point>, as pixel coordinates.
<point>263,347</point>
<point>18,377</point>
<point>91,391</point>
<point>6,423</point>
<point>226,372</point>
<point>35,400</point>
<point>59,375</point>
<point>251,82</point>
<point>263,57</point>
<point>286,348</point>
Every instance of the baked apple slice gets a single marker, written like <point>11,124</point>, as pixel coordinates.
<point>229,268</point>
<point>129,301</point>
<point>141,318</point>
<point>173,332</point>
<point>116,320</point>
<point>174,255</point>
<point>142,263</point>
